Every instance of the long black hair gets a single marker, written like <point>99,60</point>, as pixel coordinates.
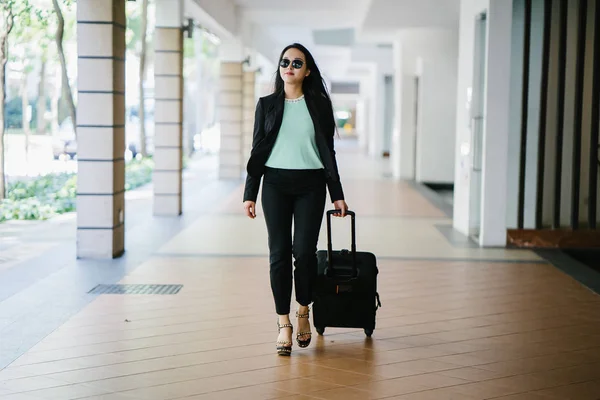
<point>313,86</point>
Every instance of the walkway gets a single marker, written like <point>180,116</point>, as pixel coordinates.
<point>457,322</point>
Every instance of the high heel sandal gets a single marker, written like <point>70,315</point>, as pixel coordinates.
<point>303,343</point>
<point>284,347</point>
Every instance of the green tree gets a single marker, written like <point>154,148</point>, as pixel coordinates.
<point>60,33</point>
<point>137,41</point>
<point>44,39</point>
<point>12,12</point>
<point>30,41</point>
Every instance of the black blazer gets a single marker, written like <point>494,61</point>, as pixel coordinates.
<point>267,121</point>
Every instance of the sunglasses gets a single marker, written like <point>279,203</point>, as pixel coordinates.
<point>297,64</point>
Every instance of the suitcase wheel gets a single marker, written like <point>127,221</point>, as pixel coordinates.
<point>368,332</point>
<point>320,331</point>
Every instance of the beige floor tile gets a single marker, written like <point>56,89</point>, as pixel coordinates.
<point>436,394</point>
<point>18,396</point>
<point>404,238</point>
<point>69,392</point>
<point>306,386</point>
<point>434,380</point>
<point>474,374</point>
<point>391,387</point>
<point>246,393</point>
<point>486,390</point>
<point>343,393</point>
<point>110,396</point>
<point>29,384</point>
<point>453,325</point>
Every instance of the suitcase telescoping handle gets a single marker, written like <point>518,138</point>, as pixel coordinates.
<point>330,246</point>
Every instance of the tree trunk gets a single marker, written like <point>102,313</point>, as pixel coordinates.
<point>41,101</point>
<point>56,88</point>
<point>25,114</point>
<point>8,24</point>
<point>142,74</point>
<point>3,60</point>
<point>63,63</point>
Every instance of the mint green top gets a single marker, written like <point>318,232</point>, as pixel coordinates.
<point>295,146</point>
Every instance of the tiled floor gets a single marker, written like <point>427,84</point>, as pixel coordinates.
<point>456,322</point>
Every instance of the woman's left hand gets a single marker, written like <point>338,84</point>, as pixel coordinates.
<point>342,206</point>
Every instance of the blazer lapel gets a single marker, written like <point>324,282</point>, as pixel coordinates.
<point>274,116</point>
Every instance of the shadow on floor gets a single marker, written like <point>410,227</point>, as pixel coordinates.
<point>581,265</point>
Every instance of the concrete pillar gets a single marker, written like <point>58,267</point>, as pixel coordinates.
<point>425,61</point>
<point>495,140</point>
<point>362,123</point>
<point>406,63</point>
<point>397,157</point>
<point>231,100</point>
<point>363,112</point>
<point>201,91</point>
<point>248,108</point>
<point>484,207</point>
<point>101,128</point>
<point>376,133</point>
<point>168,109</point>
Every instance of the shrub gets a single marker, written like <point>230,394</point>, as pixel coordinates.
<point>46,196</point>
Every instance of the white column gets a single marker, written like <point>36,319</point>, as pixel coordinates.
<point>496,125</point>
<point>101,128</point>
<point>425,119</point>
<point>495,140</point>
<point>364,115</point>
<point>404,137</point>
<point>200,94</point>
<point>168,112</point>
<point>248,108</point>
<point>406,65</point>
<point>377,112</point>
<point>230,103</point>
<point>362,125</point>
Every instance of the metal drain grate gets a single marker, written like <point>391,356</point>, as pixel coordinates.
<point>136,289</point>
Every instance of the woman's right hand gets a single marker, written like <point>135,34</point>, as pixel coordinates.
<point>250,208</point>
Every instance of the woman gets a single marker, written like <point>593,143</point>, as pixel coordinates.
<point>293,149</point>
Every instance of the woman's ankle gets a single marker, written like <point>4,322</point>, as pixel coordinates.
<point>302,309</point>
<point>283,318</point>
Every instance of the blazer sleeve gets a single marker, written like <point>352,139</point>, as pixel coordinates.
<point>334,183</point>
<point>253,182</point>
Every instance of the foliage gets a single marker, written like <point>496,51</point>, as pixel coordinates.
<point>53,194</point>
<point>16,9</point>
<point>13,113</point>
<point>28,42</point>
<point>138,173</point>
<point>40,198</point>
<point>30,34</point>
<point>133,34</point>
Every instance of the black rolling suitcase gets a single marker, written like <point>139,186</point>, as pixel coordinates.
<point>345,292</point>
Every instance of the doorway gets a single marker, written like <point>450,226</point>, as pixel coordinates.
<point>388,122</point>
<point>477,124</point>
<point>416,127</point>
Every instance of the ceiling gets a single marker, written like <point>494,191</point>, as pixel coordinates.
<point>330,29</point>
<point>403,14</point>
<point>296,18</point>
<point>290,21</point>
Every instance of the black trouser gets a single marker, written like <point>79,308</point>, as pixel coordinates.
<point>298,195</point>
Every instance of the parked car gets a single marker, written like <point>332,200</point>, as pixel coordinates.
<point>132,129</point>
<point>64,145</point>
